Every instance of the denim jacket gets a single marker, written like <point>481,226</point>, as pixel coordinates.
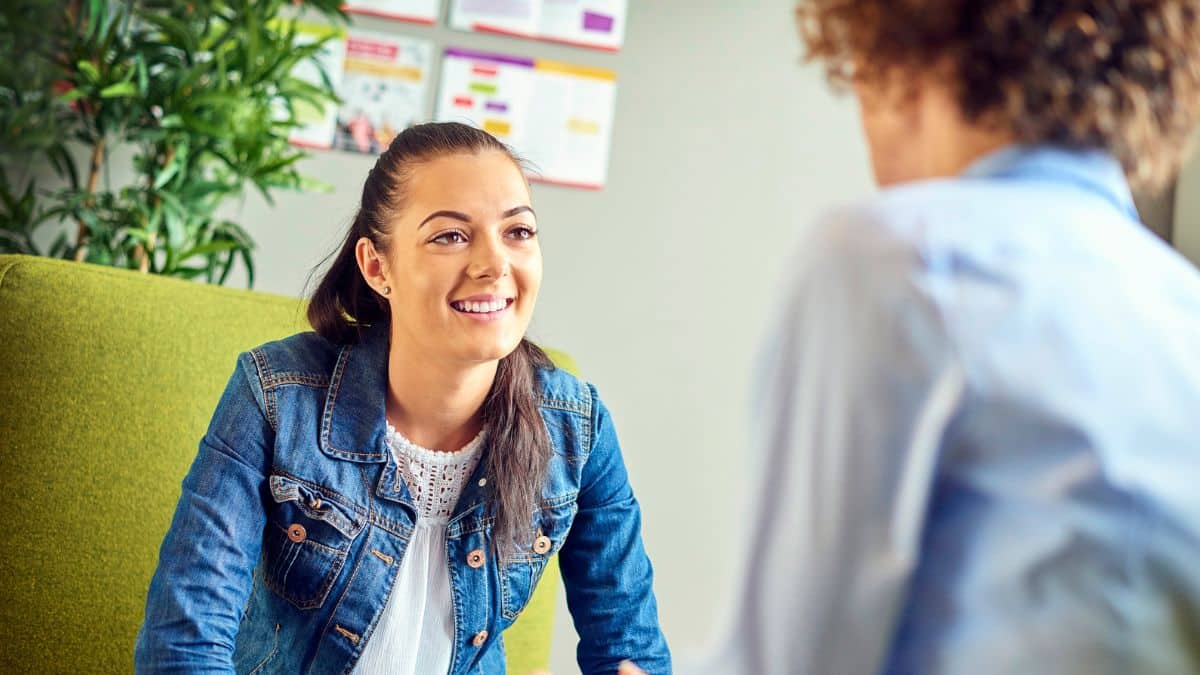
<point>293,520</point>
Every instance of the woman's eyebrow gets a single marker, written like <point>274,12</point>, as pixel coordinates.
<point>456,215</point>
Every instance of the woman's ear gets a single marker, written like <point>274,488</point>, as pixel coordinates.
<point>370,263</point>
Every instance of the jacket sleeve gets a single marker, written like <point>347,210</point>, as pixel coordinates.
<point>206,562</point>
<point>605,569</point>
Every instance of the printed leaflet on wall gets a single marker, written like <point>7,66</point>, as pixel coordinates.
<point>556,115</point>
<point>599,24</point>
<point>382,89</point>
<point>381,80</point>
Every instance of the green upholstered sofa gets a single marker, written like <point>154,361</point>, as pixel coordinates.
<point>109,380</point>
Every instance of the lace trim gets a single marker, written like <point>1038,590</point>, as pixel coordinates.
<point>435,479</point>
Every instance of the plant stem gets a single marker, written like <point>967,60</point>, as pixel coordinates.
<point>141,252</point>
<point>93,179</point>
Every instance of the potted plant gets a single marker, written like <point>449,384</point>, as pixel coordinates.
<point>201,97</point>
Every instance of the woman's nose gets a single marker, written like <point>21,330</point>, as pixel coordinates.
<point>488,261</point>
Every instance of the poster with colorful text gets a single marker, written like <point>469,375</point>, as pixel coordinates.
<point>598,24</point>
<point>558,116</point>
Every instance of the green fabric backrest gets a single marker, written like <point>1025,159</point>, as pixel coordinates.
<point>109,380</point>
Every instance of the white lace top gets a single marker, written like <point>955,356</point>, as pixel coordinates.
<point>415,634</point>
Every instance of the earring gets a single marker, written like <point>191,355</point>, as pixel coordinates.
<point>387,289</point>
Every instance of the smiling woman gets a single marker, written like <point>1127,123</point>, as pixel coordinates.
<point>384,494</point>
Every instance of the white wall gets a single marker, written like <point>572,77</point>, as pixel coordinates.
<point>658,285</point>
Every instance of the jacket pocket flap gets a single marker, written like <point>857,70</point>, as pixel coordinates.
<point>318,504</point>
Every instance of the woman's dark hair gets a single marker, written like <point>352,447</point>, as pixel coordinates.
<point>1118,75</point>
<point>343,304</point>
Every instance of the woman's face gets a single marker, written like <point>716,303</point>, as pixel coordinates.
<point>463,262</point>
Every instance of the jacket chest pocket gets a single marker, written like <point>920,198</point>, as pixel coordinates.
<point>521,571</point>
<point>306,542</point>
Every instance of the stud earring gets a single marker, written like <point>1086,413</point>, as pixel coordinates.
<point>387,289</point>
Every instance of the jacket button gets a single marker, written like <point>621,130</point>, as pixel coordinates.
<point>475,558</point>
<point>480,638</point>
<point>542,545</point>
<point>296,532</point>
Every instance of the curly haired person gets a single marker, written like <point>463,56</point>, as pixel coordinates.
<point>978,411</point>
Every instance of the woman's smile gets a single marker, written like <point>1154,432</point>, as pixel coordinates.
<point>483,308</point>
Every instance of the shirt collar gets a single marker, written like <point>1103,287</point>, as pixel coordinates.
<point>1095,171</point>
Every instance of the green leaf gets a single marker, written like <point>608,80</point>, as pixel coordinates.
<point>248,261</point>
<point>280,163</point>
<point>209,249</point>
<point>95,13</point>
<point>197,123</point>
<point>118,90</point>
<point>189,272</point>
<point>143,75</point>
<point>174,29</point>
<point>88,70</point>
<point>138,234</point>
<point>69,96</point>
<point>12,242</point>
<point>168,172</point>
<point>226,268</point>
<point>60,247</point>
<point>175,216</point>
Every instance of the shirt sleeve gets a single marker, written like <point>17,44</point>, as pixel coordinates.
<point>856,391</point>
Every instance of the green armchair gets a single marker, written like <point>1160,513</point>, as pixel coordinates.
<point>110,378</point>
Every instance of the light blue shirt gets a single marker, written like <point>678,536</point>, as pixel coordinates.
<point>979,436</point>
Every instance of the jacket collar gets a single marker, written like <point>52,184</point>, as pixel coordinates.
<point>1095,171</point>
<point>353,426</point>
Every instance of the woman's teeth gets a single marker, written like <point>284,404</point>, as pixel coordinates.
<point>480,307</point>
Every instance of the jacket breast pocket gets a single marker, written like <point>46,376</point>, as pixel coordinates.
<point>307,539</point>
<point>521,570</point>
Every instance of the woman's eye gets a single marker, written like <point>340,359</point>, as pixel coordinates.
<point>451,237</point>
<point>522,232</point>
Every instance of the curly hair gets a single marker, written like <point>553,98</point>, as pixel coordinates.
<point>1119,75</point>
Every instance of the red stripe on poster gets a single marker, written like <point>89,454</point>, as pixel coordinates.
<point>389,15</point>
<point>496,30</point>
<point>567,183</point>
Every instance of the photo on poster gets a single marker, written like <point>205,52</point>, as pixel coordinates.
<point>383,89</point>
